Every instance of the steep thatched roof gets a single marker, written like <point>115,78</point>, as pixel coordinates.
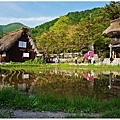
<point>113,31</point>
<point>114,42</point>
<point>8,40</point>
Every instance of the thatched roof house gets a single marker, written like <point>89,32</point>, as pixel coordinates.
<point>113,31</point>
<point>17,46</point>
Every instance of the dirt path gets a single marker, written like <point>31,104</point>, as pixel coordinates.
<point>45,114</point>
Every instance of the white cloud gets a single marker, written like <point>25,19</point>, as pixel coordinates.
<point>30,22</point>
<point>10,9</point>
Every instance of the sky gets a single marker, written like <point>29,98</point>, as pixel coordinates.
<point>33,13</point>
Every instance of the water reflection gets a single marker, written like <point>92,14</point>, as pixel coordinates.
<point>71,83</point>
<point>90,77</point>
<point>20,80</point>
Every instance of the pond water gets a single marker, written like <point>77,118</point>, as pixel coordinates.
<point>102,85</point>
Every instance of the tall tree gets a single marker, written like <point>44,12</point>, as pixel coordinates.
<point>47,42</point>
<point>61,29</point>
<point>112,10</point>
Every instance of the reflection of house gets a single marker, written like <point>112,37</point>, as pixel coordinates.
<point>17,46</point>
<point>113,31</point>
<point>114,81</point>
<point>20,80</point>
<point>114,84</point>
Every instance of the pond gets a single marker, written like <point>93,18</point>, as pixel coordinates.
<point>102,85</point>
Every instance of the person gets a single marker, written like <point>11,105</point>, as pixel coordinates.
<point>92,60</point>
<point>89,59</point>
<point>83,59</point>
<point>76,60</point>
<point>55,60</point>
<point>58,59</point>
<point>111,58</point>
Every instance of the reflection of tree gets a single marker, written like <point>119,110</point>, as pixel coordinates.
<point>100,88</point>
<point>69,83</point>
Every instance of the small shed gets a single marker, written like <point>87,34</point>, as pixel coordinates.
<point>17,46</point>
<point>113,31</point>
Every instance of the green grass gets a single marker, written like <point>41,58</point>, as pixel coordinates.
<point>10,98</point>
<point>115,113</point>
<point>60,66</point>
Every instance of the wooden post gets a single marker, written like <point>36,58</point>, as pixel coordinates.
<point>115,54</point>
<point>110,50</point>
<point>92,47</point>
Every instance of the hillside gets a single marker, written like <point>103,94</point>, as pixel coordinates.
<point>73,32</point>
<point>73,18</point>
<point>77,31</point>
<point>10,27</point>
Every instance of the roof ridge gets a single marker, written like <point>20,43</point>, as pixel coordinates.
<point>115,20</point>
<point>17,30</point>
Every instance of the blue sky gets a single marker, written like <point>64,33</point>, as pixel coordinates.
<point>33,13</point>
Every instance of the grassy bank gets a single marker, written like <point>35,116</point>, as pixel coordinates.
<point>60,66</point>
<point>12,99</point>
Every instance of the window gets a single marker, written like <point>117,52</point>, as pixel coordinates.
<point>22,44</point>
<point>25,76</point>
<point>25,54</point>
<point>4,54</point>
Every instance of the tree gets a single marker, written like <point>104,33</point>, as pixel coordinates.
<point>60,28</point>
<point>65,36</point>
<point>1,35</point>
<point>47,42</point>
<point>113,10</point>
<point>1,31</point>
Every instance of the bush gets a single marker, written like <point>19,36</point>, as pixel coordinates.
<point>35,61</point>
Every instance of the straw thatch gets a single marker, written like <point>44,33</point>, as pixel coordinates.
<point>114,42</point>
<point>8,40</point>
<point>113,31</point>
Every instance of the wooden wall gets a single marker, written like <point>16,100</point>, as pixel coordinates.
<point>15,53</point>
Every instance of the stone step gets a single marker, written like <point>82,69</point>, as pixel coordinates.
<point>116,61</point>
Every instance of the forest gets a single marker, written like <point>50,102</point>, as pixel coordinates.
<point>76,31</point>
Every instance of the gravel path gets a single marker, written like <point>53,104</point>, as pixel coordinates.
<point>45,114</point>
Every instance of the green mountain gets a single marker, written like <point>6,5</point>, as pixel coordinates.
<point>73,32</point>
<point>10,27</point>
<point>73,18</point>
